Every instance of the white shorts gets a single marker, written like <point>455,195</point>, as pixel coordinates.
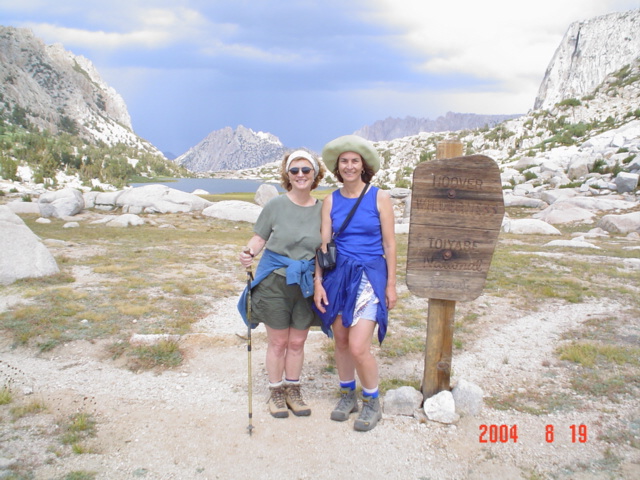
<point>367,302</point>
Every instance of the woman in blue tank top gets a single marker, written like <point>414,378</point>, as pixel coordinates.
<point>356,296</point>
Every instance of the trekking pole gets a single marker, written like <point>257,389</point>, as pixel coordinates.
<point>250,383</point>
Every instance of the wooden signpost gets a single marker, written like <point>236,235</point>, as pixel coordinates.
<point>456,215</point>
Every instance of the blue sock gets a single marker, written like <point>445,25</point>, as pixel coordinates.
<point>350,385</point>
<point>371,393</point>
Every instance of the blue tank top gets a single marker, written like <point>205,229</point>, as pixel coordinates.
<point>362,238</point>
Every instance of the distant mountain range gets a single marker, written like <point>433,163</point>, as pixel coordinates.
<point>392,128</point>
<point>229,149</point>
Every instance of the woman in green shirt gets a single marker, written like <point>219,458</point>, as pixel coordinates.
<point>287,233</point>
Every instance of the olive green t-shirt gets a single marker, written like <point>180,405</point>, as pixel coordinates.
<point>289,229</point>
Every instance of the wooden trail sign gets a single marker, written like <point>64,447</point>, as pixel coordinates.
<point>456,215</point>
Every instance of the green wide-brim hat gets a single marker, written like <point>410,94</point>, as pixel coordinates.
<point>350,143</point>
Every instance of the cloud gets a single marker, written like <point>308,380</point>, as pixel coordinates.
<point>152,28</point>
<point>502,40</point>
<point>186,67</point>
<point>71,37</point>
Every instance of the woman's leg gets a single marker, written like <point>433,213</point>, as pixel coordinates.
<point>367,368</point>
<point>277,341</point>
<point>294,358</point>
<point>359,346</point>
<point>276,349</point>
<point>348,402</point>
<point>294,355</point>
<point>344,361</point>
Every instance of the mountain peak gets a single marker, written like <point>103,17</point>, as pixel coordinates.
<point>228,149</point>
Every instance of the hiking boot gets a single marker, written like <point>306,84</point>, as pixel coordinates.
<point>347,404</point>
<point>369,416</point>
<point>277,404</point>
<point>295,402</point>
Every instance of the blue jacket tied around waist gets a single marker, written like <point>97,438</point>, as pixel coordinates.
<point>299,272</point>
<point>341,286</point>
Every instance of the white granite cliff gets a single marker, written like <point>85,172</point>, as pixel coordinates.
<point>589,51</point>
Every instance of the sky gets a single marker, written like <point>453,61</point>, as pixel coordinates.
<point>307,71</point>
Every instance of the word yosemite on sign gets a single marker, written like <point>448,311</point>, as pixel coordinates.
<point>456,215</point>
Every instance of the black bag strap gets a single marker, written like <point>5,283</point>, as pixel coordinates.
<point>353,210</point>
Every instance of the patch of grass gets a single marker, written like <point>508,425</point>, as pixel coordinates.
<point>396,345</point>
<point>408,317</point>
<point>80,475</point>
<point>605,384</point>
<point>605,357</point>
<point>32,408</point>
<point>187,313</point>
<point>515,274</point>
<point>387,384</point>
<point>533,475</point>
<point>164,354</point>
<point>628,434</point>
<point>133,310</point>
<point>6,397</point>
<point>519,270</point>
<point>532,402</point>
<point>588,353</point>
<point>609,460</point>
<point>462,323</point>
<point>116,269</point>
<point>222,287</point>
<point>79,427</point>
<point>184,288</point>
<point>52,317</point>
<point>328,349</point>
<point>55,279</point>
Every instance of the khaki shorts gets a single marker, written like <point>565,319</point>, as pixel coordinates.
<point>281,306</point>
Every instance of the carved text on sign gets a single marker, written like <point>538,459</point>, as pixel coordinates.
<point>467,208</point>
<point>445,181</point>
<point>438,264</point>
<point>461,284</point>
<point>440,243</point>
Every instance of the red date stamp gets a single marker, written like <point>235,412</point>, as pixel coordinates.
<point>498,433</point>
<point>509,433</point>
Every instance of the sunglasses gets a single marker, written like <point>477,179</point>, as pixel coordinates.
<point>296,170</point>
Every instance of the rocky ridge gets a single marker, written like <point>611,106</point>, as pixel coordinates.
<point>52,89</point>
<point>589,51</point>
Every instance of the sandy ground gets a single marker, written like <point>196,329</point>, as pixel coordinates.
<point>191,423</point>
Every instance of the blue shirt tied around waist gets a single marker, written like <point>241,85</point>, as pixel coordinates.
<point>360,251</point>
<point>298,272</point>
<point>341,286</point>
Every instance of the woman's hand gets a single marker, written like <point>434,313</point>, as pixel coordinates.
<point>253,248</point>
<point>320,296</point>
<point>392,297</point>
<point>246,257</point>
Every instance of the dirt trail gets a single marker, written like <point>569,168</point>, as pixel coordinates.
<point>191,423</point>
